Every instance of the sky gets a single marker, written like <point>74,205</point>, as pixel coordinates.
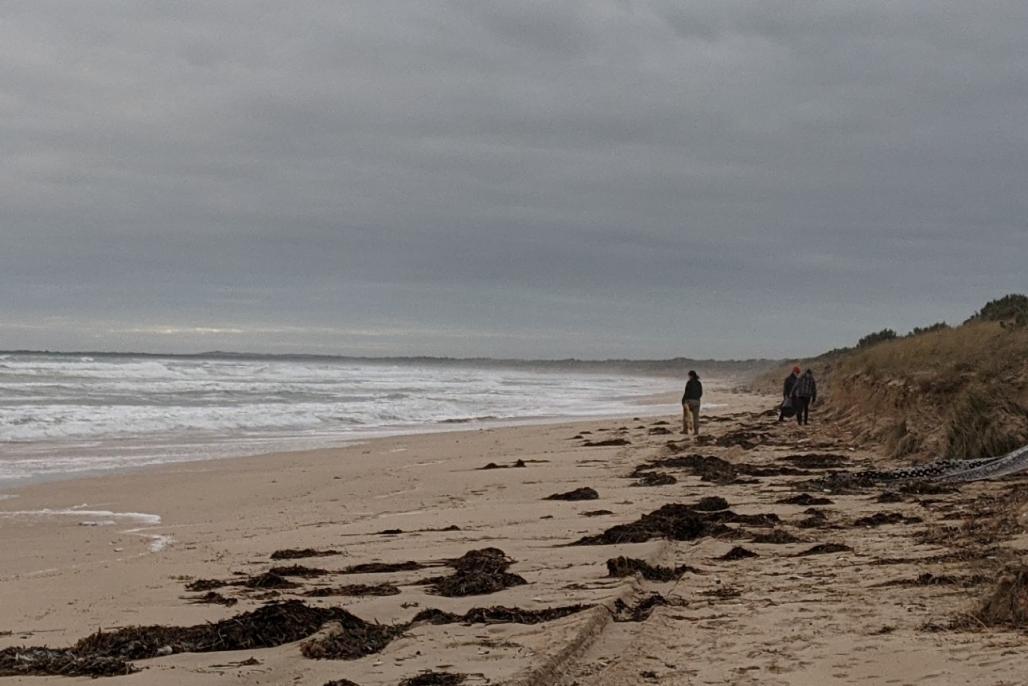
<point>556,179</point>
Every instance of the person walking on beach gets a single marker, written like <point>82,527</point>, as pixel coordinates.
<point>691,403</point>
<point>790,381</point>
<point>804,393</point>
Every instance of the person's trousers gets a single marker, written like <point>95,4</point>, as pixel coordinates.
<point>691,408</point>
<point>802,406</point>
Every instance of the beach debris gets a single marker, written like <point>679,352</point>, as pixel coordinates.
<point>346,639</point>
<point>825,548</point>
<point>36,661</point>
<point>596,513</point>
<point>213,598</point>
<point>656,479</point>
<point>817,520</point>
<point>889,497</point>
<point>498,614</point>
<point>1007,603</point>
<point>930,579</point>
<point>606,443</point>
<point>356,590</point>
<point>711,503</point>
<point>389,532</point>
<point>298,553</point>
<point>298,570</point>
<point>927,488</point>
<point>268,580</point>
<point>435,679</point>
<point>584,493</point>
<point>111,653</point>
<point>206,585</point>
<point>775,536</point>
<point>883,518</point>
<point>477,572</point>
<point>618,567</point>
<point>658,431</point>
<point>805,499</point>
<point>382,567</point>
<point>817,460</point>
<point>341,682</point>
<point>641,611</point>
<point>737,553</point>
<point>723,592</point>
<point>518,464</point>
<point>675,521</point>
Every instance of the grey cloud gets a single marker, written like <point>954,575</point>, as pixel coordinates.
<point>639,178</point>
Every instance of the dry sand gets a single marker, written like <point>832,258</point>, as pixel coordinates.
<point>777,618</point>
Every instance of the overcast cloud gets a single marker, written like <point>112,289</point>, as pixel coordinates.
<point>536,179</point>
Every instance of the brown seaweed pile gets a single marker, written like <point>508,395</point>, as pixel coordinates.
<point>656,479</point>
<point>674,521</point>
<point>641,611</point>
<point>477,572</point>
<point>498,614</point>
<point>628,566</point>
<point>435,679</point>
<point>298,553</point>
<point>353,590</point>
<point>584,493</point>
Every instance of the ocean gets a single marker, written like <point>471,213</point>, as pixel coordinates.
<point>66,415</point>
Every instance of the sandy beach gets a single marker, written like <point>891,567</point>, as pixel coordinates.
<point>753,599</point>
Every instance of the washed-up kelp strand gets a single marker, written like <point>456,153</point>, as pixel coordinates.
<point>825,548</point>
<point>347,641</point>
<point>584,493</point>
<point>610,442</point>
<point>356,590</point>
<point>299,570</point>
<point>435,679</point>
<point>299,553</point>
<point>656,479</point>
<point>382,567</point>
<point>641,611</point>
<point>212,598</point>
<point>268,580</point>
<point>678,522</point>
<point>817,461</point>
<point>498,614</point>
<point>109,653</point>
<point>673,521</point>
<point>805,499</point>
<point>266,627</point>
<point>477,572</point>
<point>618,567</point>
<point>775,536</point>
<point>883,518</point>
<point>714,469</point>
<point>737,553</point>
<point>36,661</point>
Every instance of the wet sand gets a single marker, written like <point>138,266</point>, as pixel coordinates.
<point>99,559</point>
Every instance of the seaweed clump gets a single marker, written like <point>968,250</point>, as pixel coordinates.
<point>627,566</point>
<point>584,493</point>
<point>477,572</point>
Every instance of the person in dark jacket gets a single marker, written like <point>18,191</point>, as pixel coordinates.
<point>691,403</point>
<point>790,381</point>
<point>804,393</point>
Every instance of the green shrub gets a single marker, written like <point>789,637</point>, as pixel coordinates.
<point>876,338</point>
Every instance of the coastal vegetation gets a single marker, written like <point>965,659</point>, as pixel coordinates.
<point>939,391</point>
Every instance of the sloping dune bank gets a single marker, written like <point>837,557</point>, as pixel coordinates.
<point>407,558</point>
